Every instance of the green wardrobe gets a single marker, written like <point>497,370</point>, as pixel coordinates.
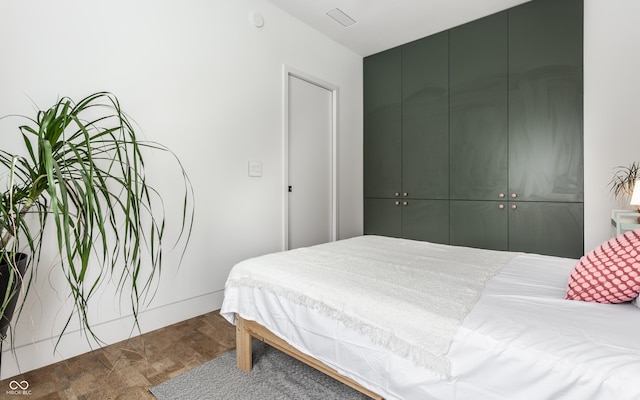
<point>473,136</point>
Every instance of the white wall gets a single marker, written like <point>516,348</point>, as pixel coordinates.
<point>199,77</point>
<point>611,105</point>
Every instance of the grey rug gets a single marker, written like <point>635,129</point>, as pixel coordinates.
<point>275,375</point>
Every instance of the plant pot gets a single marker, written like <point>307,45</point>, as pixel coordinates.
<point>21,265</point>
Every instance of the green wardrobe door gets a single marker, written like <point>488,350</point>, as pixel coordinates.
<point>382,124</point>
<point>481,224</point>
<point>426,220</point>
<point>425,125</point>
<point>551,228</point>
<point>545,101</point>
<point>382,217</point>
<point>478,109</point>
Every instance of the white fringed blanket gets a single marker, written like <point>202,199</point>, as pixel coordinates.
<point>407,296</point>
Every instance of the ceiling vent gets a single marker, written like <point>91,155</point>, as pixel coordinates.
<point>342,18</point>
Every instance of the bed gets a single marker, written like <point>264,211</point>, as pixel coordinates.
<point>402,319</point>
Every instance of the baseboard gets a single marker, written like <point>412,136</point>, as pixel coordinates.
<point>40,354</point>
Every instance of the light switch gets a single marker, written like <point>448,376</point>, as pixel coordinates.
<point>255,168</point>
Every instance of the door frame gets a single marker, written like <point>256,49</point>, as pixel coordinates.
<point>292,72</point>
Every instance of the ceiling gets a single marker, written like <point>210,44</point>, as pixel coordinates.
<point>383,24</point>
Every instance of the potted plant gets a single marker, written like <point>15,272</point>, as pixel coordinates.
<point>623,182</point>
<point>81,169</point>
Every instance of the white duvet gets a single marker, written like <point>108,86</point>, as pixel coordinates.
<point>521,340</point>
<point>406,296</point>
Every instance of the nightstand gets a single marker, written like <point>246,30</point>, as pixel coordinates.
<point>624,220</point>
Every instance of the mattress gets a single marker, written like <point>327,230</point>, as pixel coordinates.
<point>521,339</point>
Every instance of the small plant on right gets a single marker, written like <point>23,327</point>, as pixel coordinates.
<point>623,182</point>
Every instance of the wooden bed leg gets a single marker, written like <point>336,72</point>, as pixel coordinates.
<point>246,330</point>
<point>243,345</point>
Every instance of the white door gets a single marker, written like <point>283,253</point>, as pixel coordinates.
<point>310,136</point>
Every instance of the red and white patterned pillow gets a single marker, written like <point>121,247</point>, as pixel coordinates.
<point>610,273</point>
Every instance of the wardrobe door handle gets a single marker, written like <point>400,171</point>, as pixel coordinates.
<point>405,194</point>
<point>501,206</point>
<point>501,195</point>
<point>397,203</point>
<point>513,195</point>
<point>397,194</point>
<point>513,206</point>
<point>405,203</point>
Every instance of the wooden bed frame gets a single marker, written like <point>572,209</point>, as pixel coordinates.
<point>247,330</point>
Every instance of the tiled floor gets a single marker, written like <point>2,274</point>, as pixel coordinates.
<point>126,370</point>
